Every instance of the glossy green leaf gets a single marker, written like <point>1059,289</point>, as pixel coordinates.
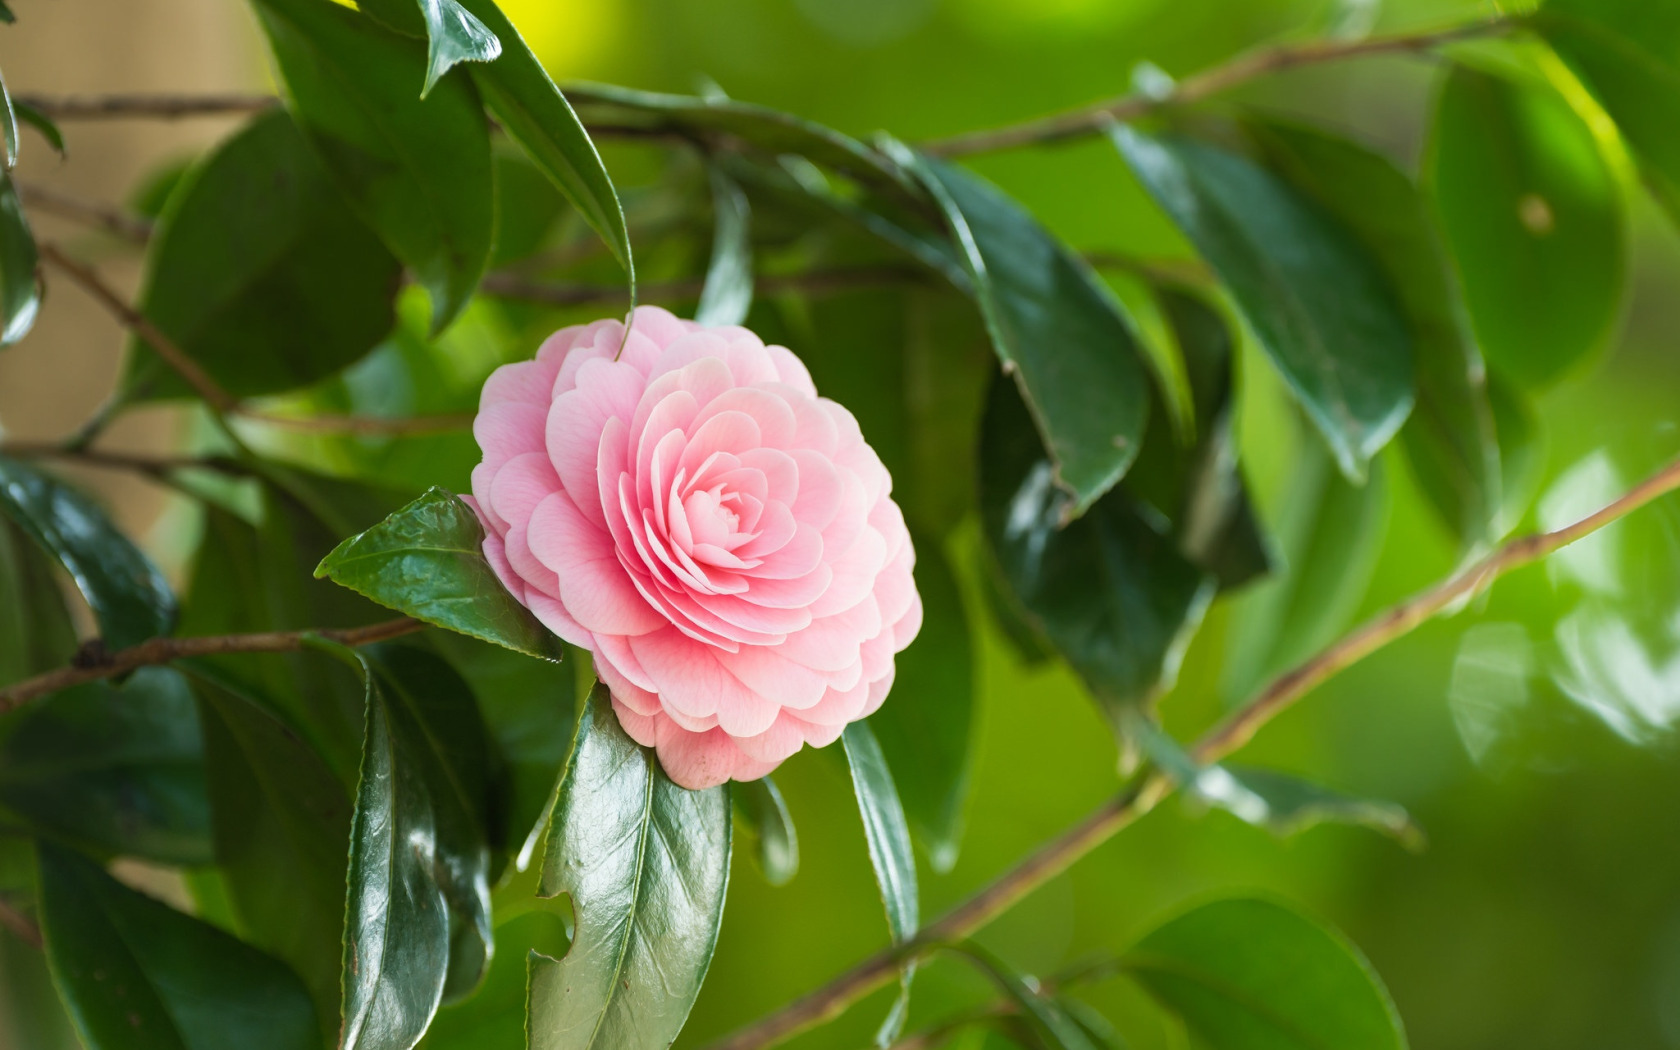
<point>535,114</point>
<point>397,948</point>
<point>1245,973</point>
<point>115,770</point>
<point>1330,534</point>
<point>36,633</point>
<point>6,14</point>
<point>1058,331</point>
<point>1627,52</point>
<point>1533,215</point>
<point>20,289</point>
<point>772,840</point>
<point>927,727</point>
<point>1046,1023</point>
<point>128,595</point>
<point>261,272</point>
<point>138,975</point>
<point>1199,486</point>
<point>1110,591</point>
<point>494,1017</point>
<point>887,835</point>
<point>417,171</point>
<point>427,560</point>
<point>42,123</point>
<point>646,864</point>
<point>1449,436</point>
<point>281,822</point>
<point>1317,304</point>
<point>451,747</point>
<point>454,35</point>
<point>727,294</point>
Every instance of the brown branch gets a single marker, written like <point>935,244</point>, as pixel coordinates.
<point>129,227</point>
<point>1057,855</point>
<point>1246,67</point>
<point>21,925</point>
<point>163,107</point>
<point>93,666</point>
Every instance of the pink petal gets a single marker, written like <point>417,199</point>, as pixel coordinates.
<point>690,679</point>
<point>521,484</point>
<point>643,729</point>
<point>760,669</point>
<point>593,585</point>
<point>791,370</point>
<point>776,744</point>
<point>702,760</point>
<point>555,617</point>
<point>507,429</point>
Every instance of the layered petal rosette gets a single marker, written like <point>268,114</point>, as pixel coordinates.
<point>722,539</point>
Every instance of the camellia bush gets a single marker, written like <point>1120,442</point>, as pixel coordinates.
<point>469,768</point>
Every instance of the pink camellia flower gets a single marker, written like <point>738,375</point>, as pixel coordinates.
<point>721,538</point>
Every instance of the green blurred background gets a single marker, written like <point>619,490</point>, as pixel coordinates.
<point>1535,753</point>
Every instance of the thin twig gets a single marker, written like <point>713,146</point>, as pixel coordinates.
<point>163,107</point>
<point>164,650</point>
<point>21,925</point>
<point>1240,70</point>
<point>129,227</point>
<point>1057,855</point>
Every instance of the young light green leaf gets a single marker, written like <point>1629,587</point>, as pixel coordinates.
<point>417,171</point>
<point>646,864</point>
<point>281,824</point>
<point>396,916</point>
<point>1247,972</point>
<point>537,116</point>
<point>771,836</point>
<point>727,294</point>
<point>1449,436</point>
<point>114,770</point>
<point>1319,307</point>
<point>134,972</point>
<point>128,595</point>
<point>427,560</point>
<point>1330,535</point>
<point>1110,591</point>
<point>20,289</point>
<point>43,124</point>
<point>1058,331</point>
<point>887,835</point>
<point>1533,214</point>
<point>927,728</point>
<point>1049,1025</point>
<point>261,273</point>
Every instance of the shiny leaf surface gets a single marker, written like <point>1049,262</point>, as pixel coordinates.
<point>261,272</point>
<point>128,595</point>
<point>36,633</point>
<point>138,975</point>
<point>1533,215</point>
<point>1245,973</point>
<point>427,560</point>
<point>1058,331</point>
<point>417,171</point>
<point>887,835</point>
<point>20,291</point>
<point>1318,305</point>
<point>772,840</point>
<point>646,864</point>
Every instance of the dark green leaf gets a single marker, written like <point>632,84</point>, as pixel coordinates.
<point>1449,437</point>
<point>282,830</point>
<point>1110,591</point>
<point>418,171</point>
<point>537,116</point>
<point>1317,304</point>
<point>494,1018</point>
<point>20,289</point>
<point>887,834</point>
<point>427,560</point>
<point>528,207</point>
<point>128,595</point>
<point>1247,973</point>
<point>646,864</point>
<point>772,839</point>
<point>36,633</point>
<point>261,273</point>
<point>135,973</point>
<point>1330,535</point>
<point>397,949</point>
<point>451,747</point>
<point>43,124</point>
<point>727,294</point>
<point>1045,1021</point>
<point>1056,329</point>
<point>32,1016</point>
<point>1628,54</point>
<point>114,770</point>
<point>1533,215</point>
<point>927,727</point>
<point>6,15</point>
